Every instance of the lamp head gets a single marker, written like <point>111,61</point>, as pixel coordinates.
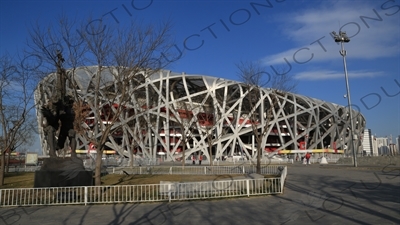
<point>344,36</point>
<point>336,36</point>
<point>341,37</point>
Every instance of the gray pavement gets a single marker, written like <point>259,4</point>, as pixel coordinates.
<point>313,194</point>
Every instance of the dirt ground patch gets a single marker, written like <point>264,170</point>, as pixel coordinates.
<point>26,180</point>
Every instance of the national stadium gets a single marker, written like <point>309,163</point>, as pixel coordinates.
<point>203,115</point>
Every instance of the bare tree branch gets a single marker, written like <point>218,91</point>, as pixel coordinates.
<point>262,100</point>
<point>15,107</point>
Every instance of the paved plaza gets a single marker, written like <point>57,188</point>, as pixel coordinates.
<point>314,194</point>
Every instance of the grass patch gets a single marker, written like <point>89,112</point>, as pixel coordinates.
<point>18,180</point>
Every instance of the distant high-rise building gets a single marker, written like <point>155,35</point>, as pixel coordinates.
<point>382,144</point>
<point>367,142</point>
<point>398,145</point>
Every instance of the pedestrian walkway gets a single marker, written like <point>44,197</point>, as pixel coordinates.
<point>313,195</point>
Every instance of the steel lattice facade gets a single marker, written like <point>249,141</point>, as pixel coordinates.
<point>209,111</point>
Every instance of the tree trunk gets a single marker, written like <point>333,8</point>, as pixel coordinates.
<point>258,161</point>
<point>2,167</point>
<point>97,171</point>
<point>131,158</point>
<point>211,160</point>
<point>8,162</point>
<point>183,154</point>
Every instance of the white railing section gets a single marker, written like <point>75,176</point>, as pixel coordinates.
<point>283,177</point>
<point>224,189</point>
<point>167,191</point>
<point>197,170</point>
<point>23,168</point>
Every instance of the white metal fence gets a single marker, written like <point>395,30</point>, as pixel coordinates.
<point>318,160</point>
<point>84,195</point>
<point>197,170</point>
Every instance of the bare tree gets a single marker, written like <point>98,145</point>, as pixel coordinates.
<point>263,94</point>
<point>183,118</point>
<point>57,47</point>
<point>15,106</point>
<point>117,59</point>
<point>134,52</point>
<point>197,118</point>
<point>207,122</point>
<point>208,117</point>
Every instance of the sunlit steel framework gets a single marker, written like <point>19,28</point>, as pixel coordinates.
<point>214,114</point>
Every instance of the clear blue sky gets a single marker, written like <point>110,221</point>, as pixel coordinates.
<point>220,33</point>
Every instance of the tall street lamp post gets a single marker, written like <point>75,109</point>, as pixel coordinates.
<point>342,38</point>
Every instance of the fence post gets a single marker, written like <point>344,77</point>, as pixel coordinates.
<point>243,170</point>
<point>113,170</point>
<point>170,170</point>
<point>248,188</point>
<point>1,195</point>
<point>205,170</point>
<point>86,195</point>
<point>140,170</point>
<point>169,192</point>
<point>283,178</point>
